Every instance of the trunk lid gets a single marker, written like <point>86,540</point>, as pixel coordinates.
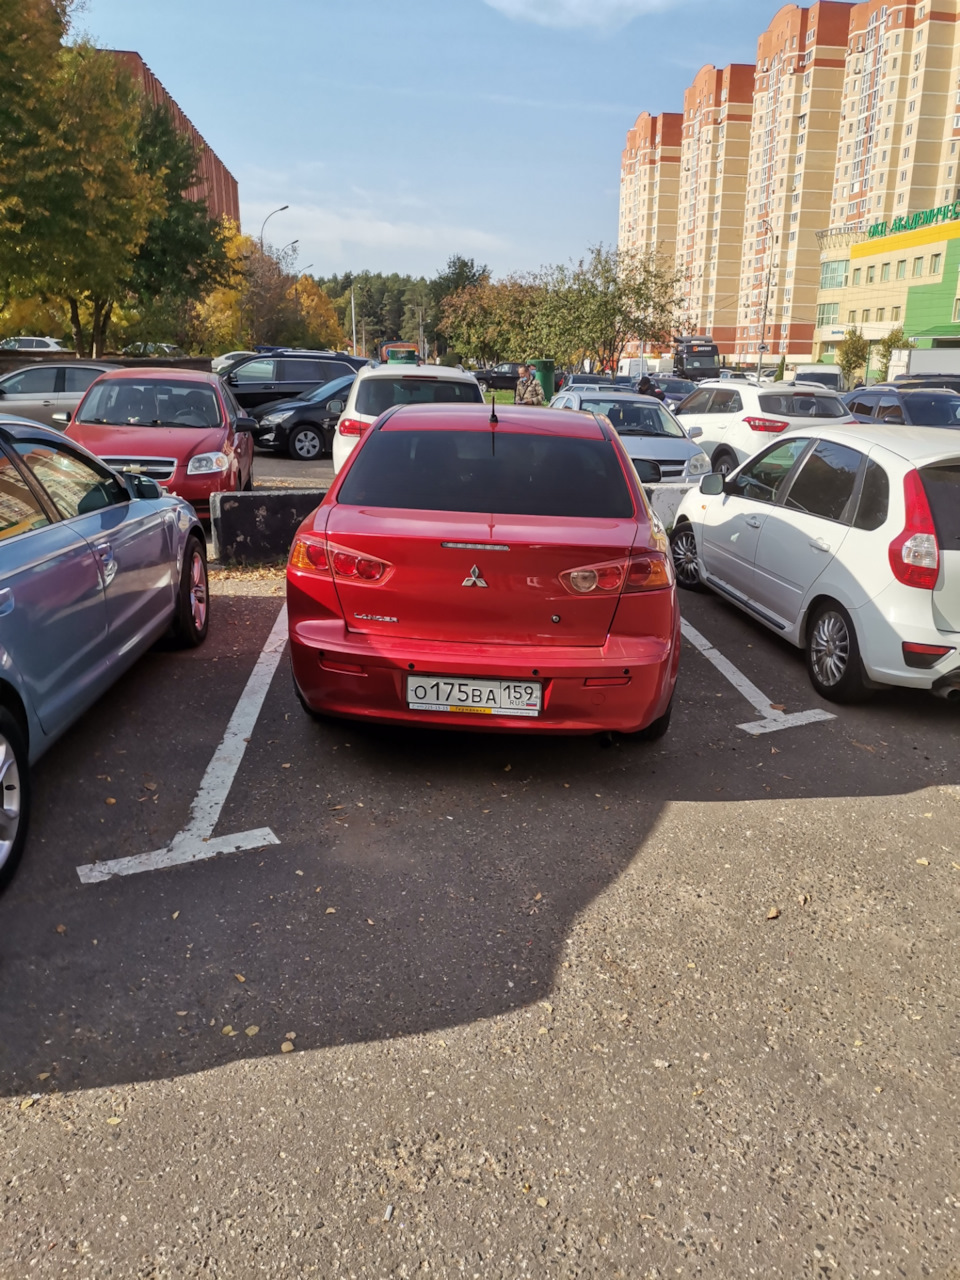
<point>439,560</point>
<point>941,484</point>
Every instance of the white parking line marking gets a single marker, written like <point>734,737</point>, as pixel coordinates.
<point>195,841</point>
<point>771,720</point>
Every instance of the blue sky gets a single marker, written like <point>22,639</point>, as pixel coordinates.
<point>402,131</point>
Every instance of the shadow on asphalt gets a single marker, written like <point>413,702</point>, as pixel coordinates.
<point>471,855</point>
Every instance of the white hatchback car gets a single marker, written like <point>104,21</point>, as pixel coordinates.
<point>846,542</point>
<point>736,418</point>
<point>379,387</point>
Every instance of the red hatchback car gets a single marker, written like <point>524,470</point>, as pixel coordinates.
<point>182,428</point>
<point>498,573</point>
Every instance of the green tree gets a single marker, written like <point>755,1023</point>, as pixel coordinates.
<point>885,348</point>
<point>183,254</point>
<point>852,354</point>
<point>781,369</point>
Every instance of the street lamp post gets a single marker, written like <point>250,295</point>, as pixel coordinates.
<point>267,219</point>
<point>762,346</point>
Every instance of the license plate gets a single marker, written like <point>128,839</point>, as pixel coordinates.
<point>474,697</point>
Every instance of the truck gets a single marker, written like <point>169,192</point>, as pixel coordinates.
<point>637,366</point>
<point>827,375</point>
<point>696,358</point>
<point>910,361</point>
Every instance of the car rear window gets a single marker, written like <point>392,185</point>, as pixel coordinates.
<point>376,395</point>
<point>938,409</point>
<point>942,487</point>
<point>874,497</point>
<point>506,473</point>
<point>803,405</point>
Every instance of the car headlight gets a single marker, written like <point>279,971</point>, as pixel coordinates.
<point>203,463</point>
<point>697,465</point>
<point>274,419</point>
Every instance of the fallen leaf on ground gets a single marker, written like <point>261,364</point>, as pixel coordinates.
<point>252,1030</point>
<point>369,921</point>
<point>174,916</point>
<point>284,766</point>
<point>330,911</point>
<point>181,1013</point>
<point>773,913</point>
<point>27,1102</point>
<point>286,1047</point>
<point>542,1201</point>
<point>291,1035</point>
<point>778,706</point>
<point>227,1030</point>
<point>113,1119</point>
<point>507,768</point>
<point>863,746</point>
<point>150,786</point>
<point>44,1075</point>
<point>109,800</point>
<point>61,928</point>
<point>239,977</point>
<point>923,862</point>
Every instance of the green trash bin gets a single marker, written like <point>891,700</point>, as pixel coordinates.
<point>544,371</point>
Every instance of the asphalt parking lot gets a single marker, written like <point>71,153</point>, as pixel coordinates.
<point>559,1006</point>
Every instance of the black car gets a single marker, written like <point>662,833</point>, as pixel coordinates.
<point>501,377</point>
<point>592,380</point>
<point>889,402</point>
<point>287,375</point>
<point>304,427</point>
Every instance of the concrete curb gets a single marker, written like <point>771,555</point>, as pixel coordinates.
<point>665,498</point>
<point>258,527</point>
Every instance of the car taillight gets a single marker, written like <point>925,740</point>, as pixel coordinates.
<point>766,424</point>
<point>914,553</point>
<point>352,427</point>
<point>924,656</point>
<point>313,554</point>
<point>641,571</point>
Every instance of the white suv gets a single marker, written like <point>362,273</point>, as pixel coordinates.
<point>737,418</point>
<point>380,387</point>
<point>846,542</point>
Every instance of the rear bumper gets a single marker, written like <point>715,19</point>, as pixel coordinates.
<point>899,614</point>
<point>374,689</point>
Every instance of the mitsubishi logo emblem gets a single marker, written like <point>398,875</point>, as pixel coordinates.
<point>473,579</point>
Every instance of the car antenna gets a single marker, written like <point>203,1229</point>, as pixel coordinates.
<point>493,409</point>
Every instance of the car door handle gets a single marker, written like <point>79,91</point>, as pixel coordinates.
<point>104,550</point>
<point>753,521</point>
<point>818,544</point>
<point>6,601</point>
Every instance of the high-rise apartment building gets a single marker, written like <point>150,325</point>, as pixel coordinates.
<point>717,111</point>
<point>649,181</point>
<point>796,118</point>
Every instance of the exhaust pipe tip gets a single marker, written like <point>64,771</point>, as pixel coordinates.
<point>949,693</point>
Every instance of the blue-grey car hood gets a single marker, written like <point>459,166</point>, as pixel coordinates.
<point>660,448</point>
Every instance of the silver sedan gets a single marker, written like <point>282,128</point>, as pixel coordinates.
<point>95,566</point>
<point>646,426</point>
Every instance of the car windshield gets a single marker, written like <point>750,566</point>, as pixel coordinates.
<point>504,473</point>
<point>936,410</point>
<point>376,395</point>
<point>803,404</point>
<point>151,402</point>
<point>330,388</point>
<point>632,418</point>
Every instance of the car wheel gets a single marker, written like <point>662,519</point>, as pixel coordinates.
<point>683,545</point>
<point>193,602</point>
<point>14,795</point>
<point>656,729</point>
<point>724,462</point>
<point>833,655</point>
<point>305,443</point>
<point>484,388</point>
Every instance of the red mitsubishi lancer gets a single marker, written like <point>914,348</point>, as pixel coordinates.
<point>179,426</point>
<point>486,571</point>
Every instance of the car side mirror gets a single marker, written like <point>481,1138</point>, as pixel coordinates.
<point>712,485</point>
<point>246,424</point>
<point>143,486</point>
<point>335,406</point>
<point>232,379</point>
<point>694,433</point>
<point>648,471</point>
<point>61,417</point>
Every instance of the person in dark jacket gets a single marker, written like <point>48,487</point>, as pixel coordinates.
<point>647,388</point>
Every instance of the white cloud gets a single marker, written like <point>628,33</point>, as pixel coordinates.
<point>577,13</point>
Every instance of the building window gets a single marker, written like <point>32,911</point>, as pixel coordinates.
<point>902,269</point>
<point>900,198</point>
<point>834,275</point>
<point>866,315</point>
<point>881,314</point>
<point>851,317</point>
<point>935,261</point>
<point>884,272</point>
<point>871,274</point>
<point>917,267</point>
<point>856,276</point>
<point>894,313</point>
